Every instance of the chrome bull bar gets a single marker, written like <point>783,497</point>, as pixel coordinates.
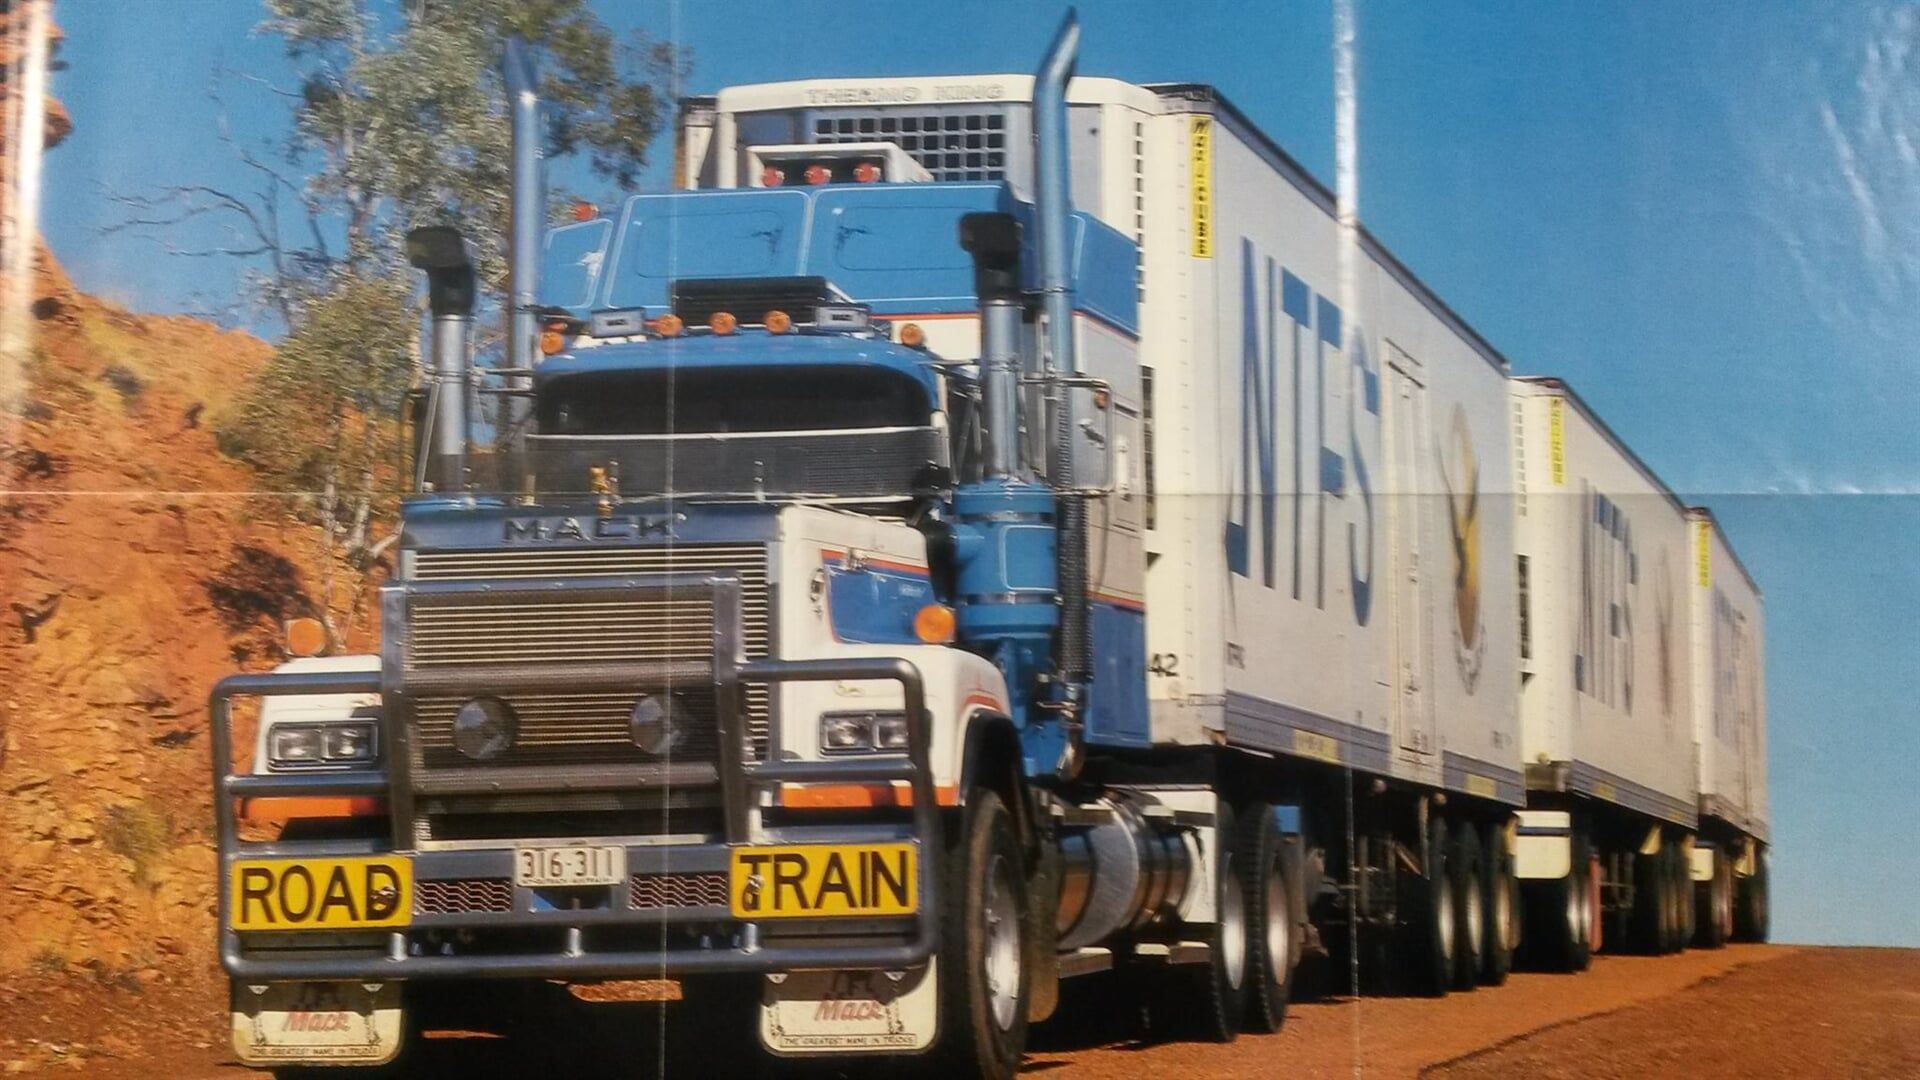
<point>738,779</point>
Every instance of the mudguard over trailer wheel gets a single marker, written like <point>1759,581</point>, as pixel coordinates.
<point>1559,914</point>
<point>1430,931</point>
<point>1750,917</point>
<point>1500,887</point>
<point>1271,935</point>
<point>983,976</point>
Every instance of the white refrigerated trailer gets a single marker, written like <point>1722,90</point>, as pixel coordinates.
<point>1607,685</point>
<point>1728,636</point>
<point>1321,527</point>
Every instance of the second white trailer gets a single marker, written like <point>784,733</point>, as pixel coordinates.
<point>1607,684</point>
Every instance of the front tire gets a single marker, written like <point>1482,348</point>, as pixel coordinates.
<point>983,976</point>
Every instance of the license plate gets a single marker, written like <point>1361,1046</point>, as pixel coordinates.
<point>816,880</point>
<point>557,867</point>
<point>331,1023</point>
<point>320,894</point>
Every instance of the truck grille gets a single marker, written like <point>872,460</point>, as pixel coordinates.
<point>583,728</point>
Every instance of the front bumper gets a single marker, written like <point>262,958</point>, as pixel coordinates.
<point>594,939</point>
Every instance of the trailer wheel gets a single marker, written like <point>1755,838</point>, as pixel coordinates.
<point>1207,1001</point>
<point>1469,906</point>
<point>1500,886</point>
<point>1596,909</point>
<point>1713,904</point>
<point>1683,889</point>
<point>983,979</point>
<point>1557,914</point>
<point>1432,927</point>
<point>1272,948</point>
<point>1652,912</point>
<point>1750,913</point>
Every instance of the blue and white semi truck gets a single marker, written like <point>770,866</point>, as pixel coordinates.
<point>977,532</point>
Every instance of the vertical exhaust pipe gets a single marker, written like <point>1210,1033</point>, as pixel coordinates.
<point>443,254</point>
<point>528,222</point>
<point>994,242</point>
<point>1054,196</point>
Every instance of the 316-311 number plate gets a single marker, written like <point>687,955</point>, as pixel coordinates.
<point>558,867</point>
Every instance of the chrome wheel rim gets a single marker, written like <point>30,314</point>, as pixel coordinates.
<point>1000,964</point>
<point>1576,908</point>
<point>1278,933</point>
<point>1445,911</point>
<point>1233,926</point>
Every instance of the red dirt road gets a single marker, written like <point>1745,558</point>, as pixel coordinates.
<point>1743,1011</point>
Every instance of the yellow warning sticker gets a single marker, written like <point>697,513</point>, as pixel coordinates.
<point>1703,552</point>
<point>1200,167</point>
<point>1557,440</point>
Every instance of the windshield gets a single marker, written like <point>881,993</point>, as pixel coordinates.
<point>730,400</point>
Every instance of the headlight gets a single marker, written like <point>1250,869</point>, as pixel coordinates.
<point>484,728</point>
<point>657,724</point>
<point>890,732</point>
<point>852,733</point>
<point>349,742</point>
<point>302,745</point>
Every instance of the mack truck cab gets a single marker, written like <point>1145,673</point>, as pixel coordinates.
<point>786,648</point>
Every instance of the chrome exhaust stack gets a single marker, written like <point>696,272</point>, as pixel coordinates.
<point>527,226</point>
<point>444,255</point>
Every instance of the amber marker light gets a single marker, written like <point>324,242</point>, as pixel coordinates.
<point>553,338</point>
<point>585,211</point>
<point>934,624</point>
<point>778,322</point>
<point>817,174</point>
<point>772,177</point>
<point>866,172</point>
<point>912,336</point>
<point>722,323</point>
<point>668,325</point>
<point>306,637</point>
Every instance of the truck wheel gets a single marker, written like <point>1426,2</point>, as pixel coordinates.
<point>1432,927</point>
<point>1650,907</point>
<point>1596,909</point>
<point>1557,914</point>
<point>1499,886</point>
<point>983,982</point>
<point>1272,950</point>
<point>1207,1002</point>
<point>1713,904</point>
<point>1683,888</point>
<point>1469,906</point>
<point>1750,913</point>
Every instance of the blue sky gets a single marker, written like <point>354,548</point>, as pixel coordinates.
<point>1706,217</point>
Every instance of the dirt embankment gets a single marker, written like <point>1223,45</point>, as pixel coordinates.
<point>137,566</point>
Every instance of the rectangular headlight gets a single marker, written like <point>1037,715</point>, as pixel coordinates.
<point>890,732</point>
<point>845,732</point>
<point>349,742</point>
<point>301,745</point>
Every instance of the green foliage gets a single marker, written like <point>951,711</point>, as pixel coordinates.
<point>311,416</point>
<point>140,831</point>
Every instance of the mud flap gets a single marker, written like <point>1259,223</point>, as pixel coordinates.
<point>332,1023</point>
<point>850,1012</point>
